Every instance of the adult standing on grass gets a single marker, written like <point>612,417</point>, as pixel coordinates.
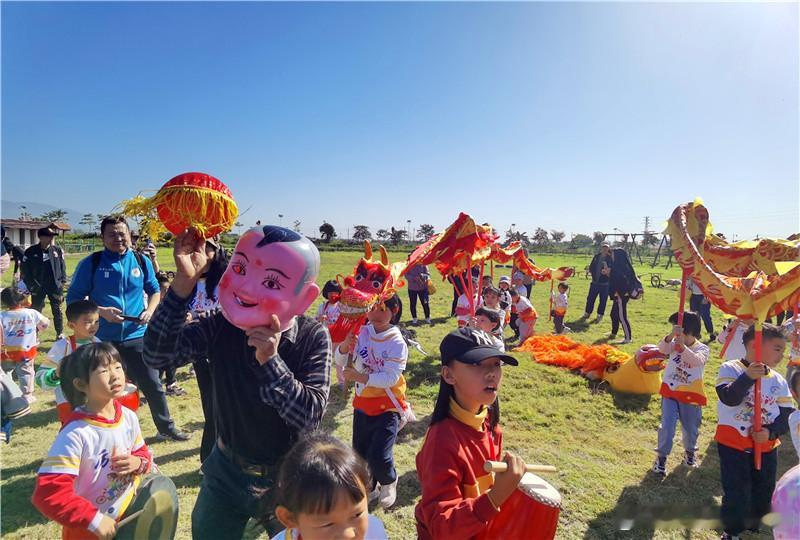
<point>45,274</point>
<point>620,285</point>
<point>600,270</point>
<point>270,366</point>
<point>117,279</point>
<point>417,278</point>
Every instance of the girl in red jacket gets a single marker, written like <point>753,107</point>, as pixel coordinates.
<point>458,497</point>
<point>90,475</point>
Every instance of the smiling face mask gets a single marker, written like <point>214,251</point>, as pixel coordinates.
<point>272,272</point>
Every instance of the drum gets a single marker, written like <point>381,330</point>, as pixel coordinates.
<point>531,512</point>
<point>157,500</point>
<point>130,398</point>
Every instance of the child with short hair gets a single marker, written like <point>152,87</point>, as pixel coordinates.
<point>682,395</point>
<point>488,320</point>
<point>93,468</point>
<point>459,498</point>
<point>505,302</point>
<point>519,284</point>
<point>794,418</point>
<point>792,332</point>
<point>328,314</point>
<point>732,334</point>
<point>379,354</point>
<point>560,304</point>
<point>747,491</point>
<point>20,337</point>
<point>463,307</point>
<point>491,300</point>
<point>83,318</point>
<point>322,492</point>
<point>526,315</point>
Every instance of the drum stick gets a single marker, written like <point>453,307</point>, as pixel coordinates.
<point>502,466</point>
<point>129,518</point>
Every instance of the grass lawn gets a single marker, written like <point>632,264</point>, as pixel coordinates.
<point>601,442</point>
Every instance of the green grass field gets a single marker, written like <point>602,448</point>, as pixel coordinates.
<point>601,442</point>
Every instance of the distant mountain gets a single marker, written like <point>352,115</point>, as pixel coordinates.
<point>11,210</point>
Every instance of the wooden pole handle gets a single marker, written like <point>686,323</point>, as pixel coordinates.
<point>502,466</point>
<point>129,518</point>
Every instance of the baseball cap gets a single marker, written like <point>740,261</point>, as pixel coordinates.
<point>45,231</point>
<point>505,279</point>
<point>471,346</point>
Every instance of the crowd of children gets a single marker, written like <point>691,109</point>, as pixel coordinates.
<point>324,487</point>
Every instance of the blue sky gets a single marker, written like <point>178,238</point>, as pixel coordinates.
<point>577,117</point>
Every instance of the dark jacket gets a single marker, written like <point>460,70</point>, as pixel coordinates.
<point>623,277</point>
<point>595,266</point>
<point>44,275</point>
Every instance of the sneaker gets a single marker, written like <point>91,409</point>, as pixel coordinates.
<point>660,465</point>
<point>430,322</point>
<point>60,336</point>
<point>712,336</point>
<point>373,496</point>
<point>566,330</point>
<point>726,536</point>
<point>175,390</point>
<point>690,459</point>
<point>388,495</point>
<point>174,435</point>
<point>599,319</point>
<point>414,322</point>
<point>622,341</point>
<point>585,316</point>
<point>612,336</point>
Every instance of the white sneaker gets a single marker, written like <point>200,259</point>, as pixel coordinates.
<point>388,495</point>
<point>622,341</point>
<point>566,330</point>
<point>373,496</point>
<point>598,319</point>
<point>585,315</point>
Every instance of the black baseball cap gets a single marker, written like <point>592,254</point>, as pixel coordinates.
<point>471,346</point>
<point>45,231</point>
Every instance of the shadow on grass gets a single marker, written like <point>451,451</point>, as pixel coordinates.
<point>407,490</point>
<point>423,372</point>
<point>683,500</point>
<point>38,419</point>
<point>631,402</point>
<point>18,512</point>
<point>338,400</point>
<point>413,430</point>
<point>178,456</point>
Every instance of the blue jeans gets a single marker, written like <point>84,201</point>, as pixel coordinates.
<point>690,417</point>
<point>595,290</point>
<point>703,309</point>
<point>747,493</point>
<point>228,499</point>
<point>373,439</point>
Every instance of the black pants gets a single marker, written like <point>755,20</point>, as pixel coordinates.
<point>619,316</point>
<point>513,324</point>
<point>373,439</point>
<point>747,493</point>
<point>456,294</point>
<point>704,310</point>
<point>597,290</point>
<point>558,322</point>
<point>202,371</point>
<point>423,298</point>
<point>529,288</point>
<point>148,381</point>
<point>228,498</point>
<point>55,298</point>
<point>169,375</point>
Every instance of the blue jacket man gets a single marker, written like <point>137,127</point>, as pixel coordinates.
<point>117,280</point>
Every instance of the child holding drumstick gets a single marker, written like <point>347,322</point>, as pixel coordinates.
<point>90,474</point>
<point>458,497</point>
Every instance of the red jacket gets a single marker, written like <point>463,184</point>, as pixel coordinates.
<point>454,485</point>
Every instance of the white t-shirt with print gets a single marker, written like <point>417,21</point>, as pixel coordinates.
<point>20,328</point>
<point>83,448</point>
<point>329,311</point>
<point>57,352</point>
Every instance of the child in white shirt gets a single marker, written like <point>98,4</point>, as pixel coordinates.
<point>20,337</point>
<point>560,303</point>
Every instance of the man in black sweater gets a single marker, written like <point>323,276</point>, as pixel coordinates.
<point>270,366</point>
<point>45,274</point>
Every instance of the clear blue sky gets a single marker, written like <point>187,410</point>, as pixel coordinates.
<point>577,117</point>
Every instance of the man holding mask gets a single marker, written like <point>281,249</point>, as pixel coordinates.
<point>270,366</point>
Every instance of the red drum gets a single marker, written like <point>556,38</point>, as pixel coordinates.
<point>531,512</point>
<point>130,398</point>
